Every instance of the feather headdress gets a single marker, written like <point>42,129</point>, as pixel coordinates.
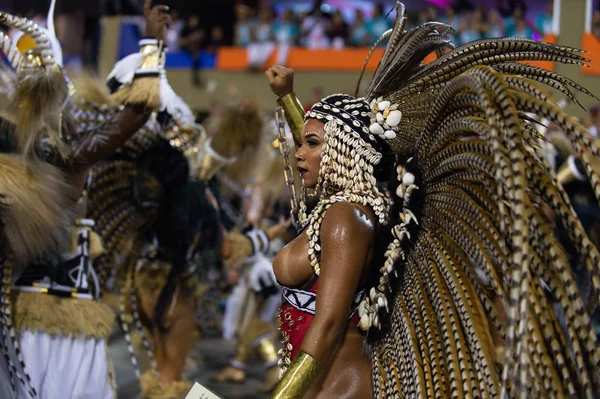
<point>473,265</point>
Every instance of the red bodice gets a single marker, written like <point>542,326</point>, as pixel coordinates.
<point>294,323</point>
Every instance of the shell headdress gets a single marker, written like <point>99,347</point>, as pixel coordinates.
<point>475,296</point>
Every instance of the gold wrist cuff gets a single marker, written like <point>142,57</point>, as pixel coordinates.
<point>242,353</point>
<point>299,378</point>
<point>294,114</point>
<point>267,351</point>
<point>152,56</point>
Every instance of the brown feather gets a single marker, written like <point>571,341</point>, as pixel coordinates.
<point>39,103</point>
<point>35,207</point>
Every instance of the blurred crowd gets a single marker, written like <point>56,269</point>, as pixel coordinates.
<point>263,30</point>
<point>318,29</point>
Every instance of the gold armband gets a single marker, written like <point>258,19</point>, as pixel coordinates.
<point>145,86</point>
<point>294,114</point>
<point>206,162</point>
<point>299,378</point>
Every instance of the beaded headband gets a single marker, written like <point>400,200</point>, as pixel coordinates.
<point>353,116</point>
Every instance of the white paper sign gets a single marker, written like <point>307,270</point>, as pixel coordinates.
<point>200,392</point>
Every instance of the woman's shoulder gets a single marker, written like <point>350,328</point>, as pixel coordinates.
<point>348,216</point>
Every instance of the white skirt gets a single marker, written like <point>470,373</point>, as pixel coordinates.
<point>61,368</point>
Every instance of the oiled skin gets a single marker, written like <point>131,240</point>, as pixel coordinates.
<point>347,240</point>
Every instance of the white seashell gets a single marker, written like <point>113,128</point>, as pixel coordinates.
<point>364,322</point>
<point>411,216</point>
<point>380,118</point>
<point>408,179</point>
<point>400,191</point>
<point>383,105</point>
<point>390,134</point>
<point>372,294</point>
<point>411,188</point>
<point>380,302</point>
<point>376,128</point>
<point>361,309</point>
<point>394,118</point>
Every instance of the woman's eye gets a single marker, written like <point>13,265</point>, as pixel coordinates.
<point>312,143</point>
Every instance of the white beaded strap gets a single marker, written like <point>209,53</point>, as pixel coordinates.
<point>265,241</point>
<point>254,240</point>
<point>148,42</point>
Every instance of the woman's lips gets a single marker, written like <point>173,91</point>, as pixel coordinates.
<point>301,171</point>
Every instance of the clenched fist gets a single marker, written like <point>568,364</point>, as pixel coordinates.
<point>157,18</point>
<point>281,80</point>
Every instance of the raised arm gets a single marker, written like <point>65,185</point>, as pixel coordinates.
<point>108,137</point>
<point>102,142</point>
<point>347,234</point>
<point>281,80</point>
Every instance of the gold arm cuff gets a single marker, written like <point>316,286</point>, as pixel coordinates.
<point>294,114</point>
<point>299,378</point>
<point>152,56</point>
<point>242,353</point>
<point>267,351</point>
<point>209,166</point>
<point>206,162</point>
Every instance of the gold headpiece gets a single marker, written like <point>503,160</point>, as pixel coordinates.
<point>10,50</point>
<point>42,54</point>
<point>41,90</point>
<point>187,139</point>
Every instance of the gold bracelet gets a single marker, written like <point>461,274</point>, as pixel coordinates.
<point>294,114</point>
<point>299,378</point>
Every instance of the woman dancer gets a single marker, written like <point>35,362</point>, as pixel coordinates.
<point>470,264</point>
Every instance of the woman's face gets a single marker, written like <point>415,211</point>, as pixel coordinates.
<point>308,156</point>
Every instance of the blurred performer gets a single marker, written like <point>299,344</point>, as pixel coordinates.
<point>430,181</point>
<point>252,306</point>
<point>50,315</point>
<point>160,219</point>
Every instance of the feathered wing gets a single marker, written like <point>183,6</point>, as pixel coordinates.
<point>474,264</point>
<point>35,208</point>
<point>122,199</point>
